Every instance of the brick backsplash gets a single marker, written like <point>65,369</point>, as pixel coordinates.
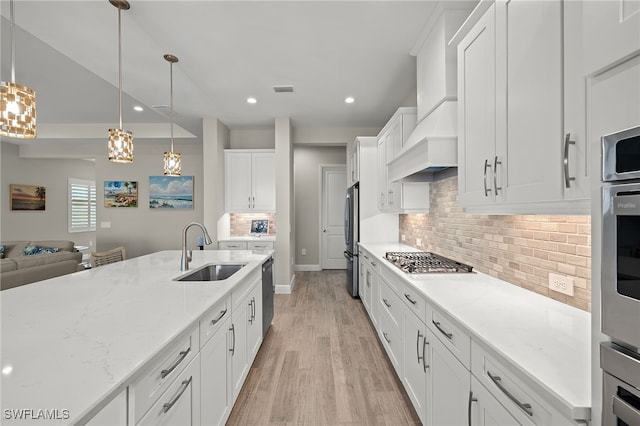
<point>241,223</point>
<point>521,250</point>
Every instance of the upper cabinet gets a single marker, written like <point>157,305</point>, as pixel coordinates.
<point>353,162</point>
<point>521,144</point>
<point>250,184</point>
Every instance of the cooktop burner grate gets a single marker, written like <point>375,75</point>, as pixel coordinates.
<point>420,262</point>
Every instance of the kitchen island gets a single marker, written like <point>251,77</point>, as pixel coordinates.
<point>73,343</point>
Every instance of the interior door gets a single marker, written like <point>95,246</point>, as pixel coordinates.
<point>334,186</point>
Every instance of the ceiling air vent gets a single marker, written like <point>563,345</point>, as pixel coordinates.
<point>283,89</point>
<point>165,110</point>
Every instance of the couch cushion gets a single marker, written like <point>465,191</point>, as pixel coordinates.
<point>59,244</point>
<point>44,259</point>
<point>1,252</point>
<point>7,265</point>
<point>13,248</point>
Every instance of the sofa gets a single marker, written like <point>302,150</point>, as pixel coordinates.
<point>48,259</point>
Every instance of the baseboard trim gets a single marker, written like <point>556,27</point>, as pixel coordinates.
<point>283,289</point>
<point>305,268</point>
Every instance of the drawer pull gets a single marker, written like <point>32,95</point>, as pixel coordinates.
<point>441,330</point>
<point>219,317</point>
<point>625,412</point>
<point>424,354</point>
<point>232,329</point>
<point>410,299</point>
<point>386,303</point>
<point>418,348</point>
<point>471,400</point>
<point>498,381</point>
<point>185,384</point>
<point>385,337</point>
<point>374,264</point>
<point>183,355</point>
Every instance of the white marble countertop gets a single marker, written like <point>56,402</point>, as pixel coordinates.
<point>269,237</point>
<point>72,341</point>
<point>548,341</point>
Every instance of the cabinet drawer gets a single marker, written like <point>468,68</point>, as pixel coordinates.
<point>391,303</point>
<point>512,392</point>
<point>180,403</point>
<point>394,281</point>
<point>260,245</point>
<point>453,336</point>
<point>232,245</point>
<point>157,378</point>
<point>213,319</point>
<point>390,334</point>
<point>370,260</point>
<point>414,300</point>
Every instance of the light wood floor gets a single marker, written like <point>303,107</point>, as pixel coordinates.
<point>321,364</point>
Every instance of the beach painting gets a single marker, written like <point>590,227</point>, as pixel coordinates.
<point>27,197</point>
<point>171,192</point>
<point>119,193</point>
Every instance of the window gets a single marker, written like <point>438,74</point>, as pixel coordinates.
<point>82,205</point>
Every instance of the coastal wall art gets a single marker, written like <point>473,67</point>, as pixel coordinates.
<point>171,192</point>
<point>27,197</point>
<point>119,193</point>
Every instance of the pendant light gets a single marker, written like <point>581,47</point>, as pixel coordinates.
<point>172,160</point>
<point>17,102</point>
<point>120,141</point>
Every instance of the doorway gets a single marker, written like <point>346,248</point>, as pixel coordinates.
<point>332,245</point>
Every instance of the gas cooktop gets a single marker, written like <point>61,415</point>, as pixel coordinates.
<point>422,262</point>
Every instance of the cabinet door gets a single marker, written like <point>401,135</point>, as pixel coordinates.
<point>239,350</point>
<point>382,174</point>
<point>237,175</point>
<point>529,155</point>
<point>415,371</point>
<point>449,388</point>
<point>254,322</point>
<point>180,404</point>
<point>114,413</point>
<point>393,142</point>
<point>486,410</point>
<point>263,182</point>
<point>216,392</point>
<point>477,111</point>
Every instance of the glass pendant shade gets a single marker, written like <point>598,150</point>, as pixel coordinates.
<point>17,102</point>
<point>172,164</point>
<point>120,146</point>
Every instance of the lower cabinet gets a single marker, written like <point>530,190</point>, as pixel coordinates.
<point>485,410</point>
<point>369,292</point>
<point>417,371</point>
<point>180,403</point>
<point>215,364</point>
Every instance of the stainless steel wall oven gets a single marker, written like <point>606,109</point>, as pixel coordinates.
<point>620,277</point>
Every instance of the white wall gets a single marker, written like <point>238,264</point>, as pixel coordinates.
<point>252,138</point>
<point>285,219</point>
<point>50,224</point>
<point>308,185</point>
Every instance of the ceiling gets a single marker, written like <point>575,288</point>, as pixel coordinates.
<point>228,51</point>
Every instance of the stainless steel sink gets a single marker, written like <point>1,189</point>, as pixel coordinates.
<point>212,272</point>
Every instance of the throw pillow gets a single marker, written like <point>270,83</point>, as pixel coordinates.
<point>1,252</point>
<point>31,250</point>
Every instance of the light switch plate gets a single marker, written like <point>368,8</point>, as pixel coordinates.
<point>561,284</point>
<point>419,242</point>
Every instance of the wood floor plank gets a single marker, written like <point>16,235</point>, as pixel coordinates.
<point>321,363</point>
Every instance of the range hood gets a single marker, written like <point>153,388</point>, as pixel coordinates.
<point>423,154</point>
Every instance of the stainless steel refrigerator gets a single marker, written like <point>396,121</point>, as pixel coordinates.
<point>351,237</point>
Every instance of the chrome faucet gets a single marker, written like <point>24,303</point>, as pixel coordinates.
<point>186,257</point>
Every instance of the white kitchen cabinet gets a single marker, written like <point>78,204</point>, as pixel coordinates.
<point>179,405</point>
<point>521,134</point>
<point>416,369</point>
<point>245,245</point>
<point>486,410</point>
<point>611,33</point>
<point>249,181</point>
<point>353,162</point>
<point>390,324</point>
<point>216,387</point>
<point>369,285</point>
<point>114,413</point>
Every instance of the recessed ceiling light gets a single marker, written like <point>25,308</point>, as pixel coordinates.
<point>251,100</point>
<point>349,99</point>
<point>138,108</point>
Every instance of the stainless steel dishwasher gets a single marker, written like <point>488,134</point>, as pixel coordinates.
<point>267,294</point>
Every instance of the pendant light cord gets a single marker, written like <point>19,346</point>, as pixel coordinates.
<point>120,66</point>
<point>13,44</point>
<point>171,112</point>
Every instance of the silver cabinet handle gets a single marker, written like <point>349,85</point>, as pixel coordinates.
<point>249,205</point>
<point>471,400</point>
<point>418,348</point>
<point>486,166</point>
<point>253,308</point>
<point>251,314</point>
<point>495,175</point>
<point>218,318</point>
<point>565,161</point>
<point>410,299</point>
<point>625,412</point>
<point>232,329</point>
<point>386,303</point>
<point>365,256</point>
<point>254,201</point>
<point>374,264</point>
<point>185,384</point>
<point>385,337</point>
<point>390,197</point>
<point>424,354</point>
<point>183,355</point>
<point>368,279</point>
<point>498,381</point>
<point>441,330</point>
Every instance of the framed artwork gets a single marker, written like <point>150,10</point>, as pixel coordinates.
<point>260,226</point>
<point>171,192</point>
<point>27,197</point>
<point>119,193</point>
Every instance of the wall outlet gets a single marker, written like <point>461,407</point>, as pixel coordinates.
<point>303,252</point>
<point>419,242</point>
<point>105,225</point>
<point>561,284</point>
<point>402,238</point>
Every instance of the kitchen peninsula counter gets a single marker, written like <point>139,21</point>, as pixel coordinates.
<point>73,342</point>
